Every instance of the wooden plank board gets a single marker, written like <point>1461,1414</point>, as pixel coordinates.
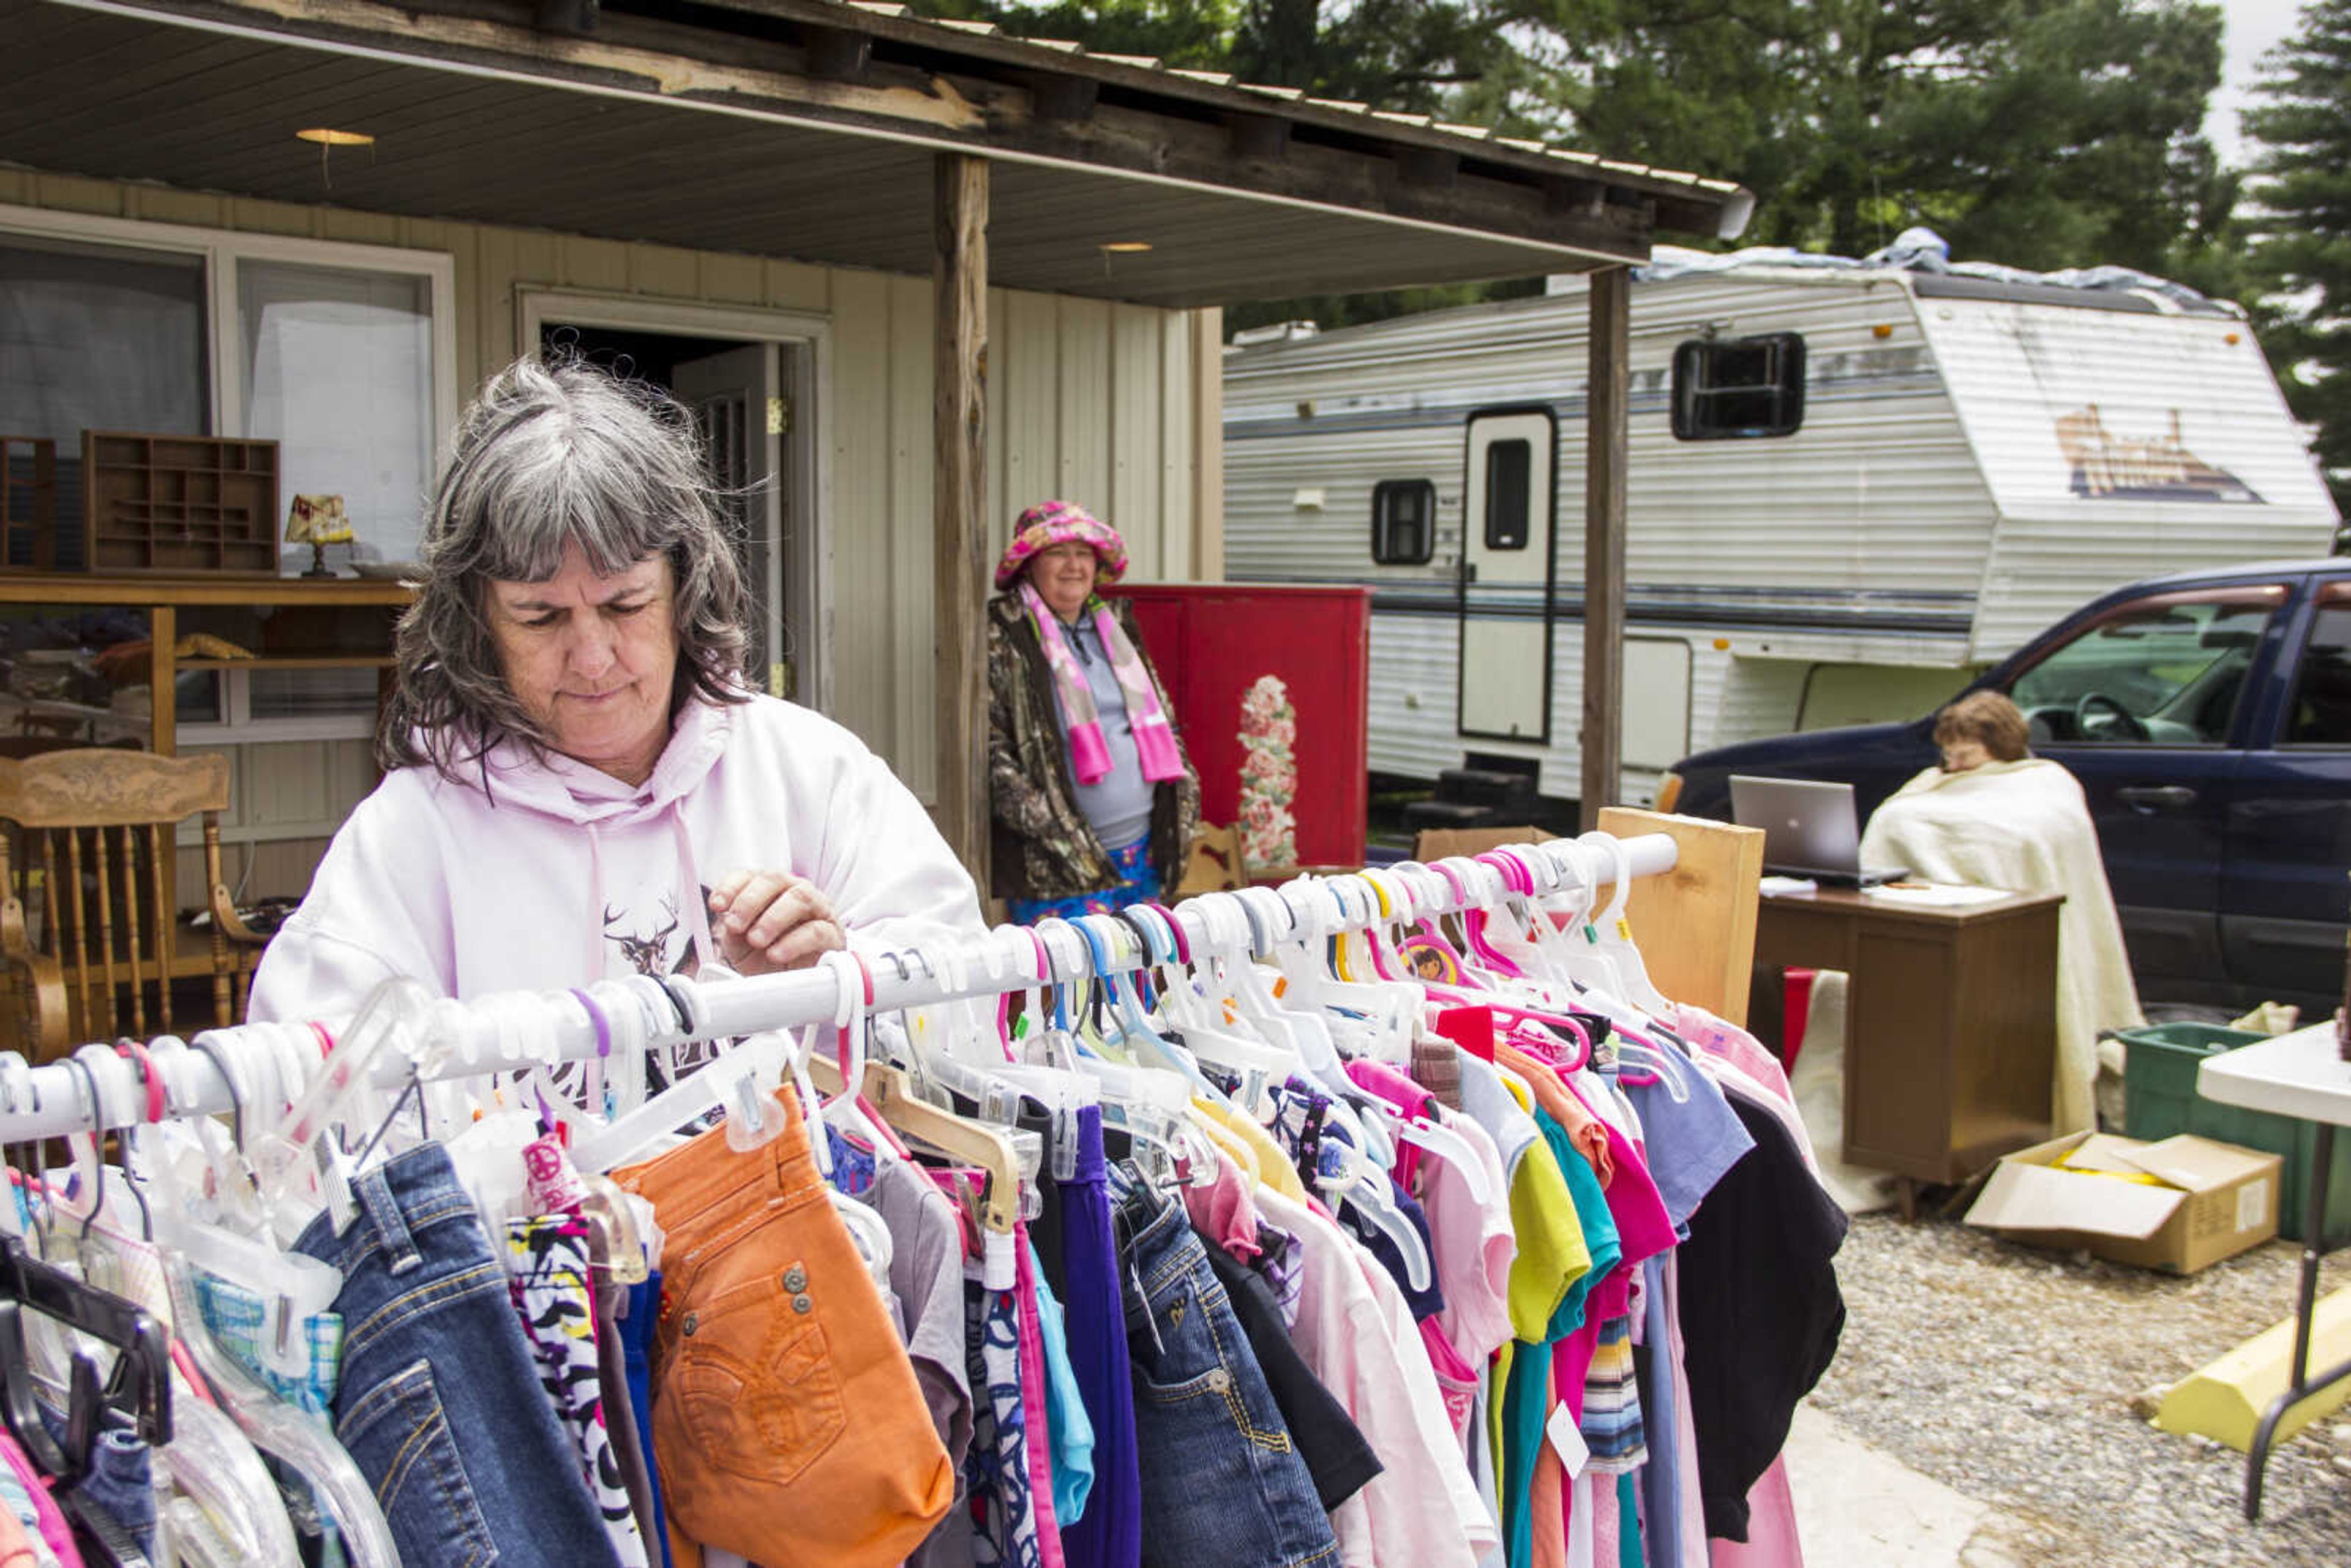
<point>1695,924</point>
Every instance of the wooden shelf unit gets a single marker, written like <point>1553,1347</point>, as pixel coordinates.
<point>28,505</point>
<point>179,503</point>
<point>163,597</point>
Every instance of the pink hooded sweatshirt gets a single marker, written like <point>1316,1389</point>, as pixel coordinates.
<point>558,875</point>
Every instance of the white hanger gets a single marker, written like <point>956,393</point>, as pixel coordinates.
<point>1615,933</point>
<point>761,1059</point>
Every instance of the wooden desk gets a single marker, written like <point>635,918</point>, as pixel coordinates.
<point>163,597</point>
<point>1950,1023</point>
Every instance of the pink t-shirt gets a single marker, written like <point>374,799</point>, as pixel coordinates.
<point>1223,1212</point>
<point>1349,1339</point>
<point>55,1532</point>
<point>1473,1243</point>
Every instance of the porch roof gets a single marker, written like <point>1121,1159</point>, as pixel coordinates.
<point>807,129</point>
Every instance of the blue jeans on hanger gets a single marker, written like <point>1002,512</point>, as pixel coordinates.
<point>441,1405</point>
<point>1222,1483</point>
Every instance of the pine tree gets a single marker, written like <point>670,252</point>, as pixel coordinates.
<point>2301,192</point>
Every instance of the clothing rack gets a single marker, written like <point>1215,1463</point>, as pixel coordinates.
<point>101,1087</point>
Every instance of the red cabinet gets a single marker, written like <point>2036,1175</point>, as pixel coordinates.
<point>1212,642</point>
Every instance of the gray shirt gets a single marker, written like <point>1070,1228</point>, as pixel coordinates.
<point>1118,807</point>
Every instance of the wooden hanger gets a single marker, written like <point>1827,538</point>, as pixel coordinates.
<point>965,1141</point>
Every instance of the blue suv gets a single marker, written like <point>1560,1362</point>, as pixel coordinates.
<point>2207,715</point>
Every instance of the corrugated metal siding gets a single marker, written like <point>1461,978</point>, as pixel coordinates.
<point>1875,500</point>
<point>2017,371</point>
<point>1085,400</point>
<point>1415,660</point>
<point>1870,518</point>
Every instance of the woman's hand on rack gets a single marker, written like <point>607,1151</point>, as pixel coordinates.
<point>766,921</point>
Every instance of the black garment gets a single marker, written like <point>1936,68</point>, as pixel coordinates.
<point>1760,1310</point>
<point>1327,1439</point>
<point>1045,1228</point>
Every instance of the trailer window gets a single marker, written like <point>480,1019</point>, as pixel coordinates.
<point>1508,463</point>
<point>1404,522</point>
<point>1726,389</point>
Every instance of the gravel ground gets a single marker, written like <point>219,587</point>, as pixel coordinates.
<point>2009,1374</point>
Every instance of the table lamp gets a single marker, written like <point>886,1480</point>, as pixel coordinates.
<point>318,521</point>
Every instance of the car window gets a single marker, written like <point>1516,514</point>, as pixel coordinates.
<point>2320,713</point>
<point>2166,672</point>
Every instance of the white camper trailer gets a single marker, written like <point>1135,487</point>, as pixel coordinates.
<point>1851,484</point>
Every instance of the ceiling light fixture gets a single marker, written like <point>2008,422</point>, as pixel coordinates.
<point>326,137</point>
<point>1127,246</point>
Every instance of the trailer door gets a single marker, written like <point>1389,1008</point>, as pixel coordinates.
<point>1508,514</point>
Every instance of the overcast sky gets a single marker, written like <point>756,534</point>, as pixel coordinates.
<point>2254,27</point>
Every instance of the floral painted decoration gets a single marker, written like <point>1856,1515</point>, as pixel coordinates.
<point>1269,739</point>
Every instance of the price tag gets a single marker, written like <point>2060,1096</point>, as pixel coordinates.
<point>1573,1454</point>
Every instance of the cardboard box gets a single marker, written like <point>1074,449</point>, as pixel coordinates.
<point>1436,844</point>
<point>2208,1201</point>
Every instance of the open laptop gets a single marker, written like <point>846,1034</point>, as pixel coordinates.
<point>1810,828</point>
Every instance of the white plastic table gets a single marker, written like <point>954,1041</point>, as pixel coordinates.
<point>2302,1076</point>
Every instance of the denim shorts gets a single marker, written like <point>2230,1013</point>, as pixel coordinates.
<point>440,1404</point>
<point>1222,1482</point>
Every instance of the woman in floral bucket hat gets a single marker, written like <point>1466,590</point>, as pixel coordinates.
<point>1095,802</point>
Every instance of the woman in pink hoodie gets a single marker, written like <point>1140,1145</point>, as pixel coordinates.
<point>577,782</point>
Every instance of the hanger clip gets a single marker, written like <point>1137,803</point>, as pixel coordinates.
<point>335,1179</point>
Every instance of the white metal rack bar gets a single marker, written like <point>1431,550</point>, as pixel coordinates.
<point>477,1037</point>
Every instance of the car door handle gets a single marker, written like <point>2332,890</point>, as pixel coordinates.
<point>2156,797</point>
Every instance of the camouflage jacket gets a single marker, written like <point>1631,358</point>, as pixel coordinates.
<point>1044,848</point>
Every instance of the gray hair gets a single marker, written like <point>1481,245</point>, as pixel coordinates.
<point>550,455</point>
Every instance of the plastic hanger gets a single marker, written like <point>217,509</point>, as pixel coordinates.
<point>760,1062</point>
<point>1616,933</point>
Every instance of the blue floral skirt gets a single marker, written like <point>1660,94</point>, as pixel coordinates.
<point>1138,884</point>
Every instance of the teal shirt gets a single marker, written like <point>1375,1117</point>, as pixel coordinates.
<point>1526,1398</point>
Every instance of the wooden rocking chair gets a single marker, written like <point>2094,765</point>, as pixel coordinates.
<point>87,843</point>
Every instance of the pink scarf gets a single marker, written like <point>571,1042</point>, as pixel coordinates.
<point>1154,738</point>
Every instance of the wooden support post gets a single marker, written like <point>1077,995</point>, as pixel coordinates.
<point>1606,433</point>
<point>959,538</point>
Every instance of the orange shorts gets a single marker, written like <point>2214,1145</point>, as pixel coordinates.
<point>788,1425</point>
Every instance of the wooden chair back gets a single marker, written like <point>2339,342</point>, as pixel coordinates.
<point>89,839</point>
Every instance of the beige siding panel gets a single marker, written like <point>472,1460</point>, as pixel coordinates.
<point>17,188</point>
<point>796,286</point>
<point>498,265</point>
<point>1175,478</point>
<point>993,492</point>
<point>1135,404</point>
<point>463,243</point>
<point>665,270</point>
<point>1084,473</point>
<point>735,279</point>
<point>69,193</point>
<point>284,783</point>
<point>157,205</point>
<point>359,228</point>
<point>1028,350</point>
<point>253,216</point>
<point>598,265</point>
<point>278,868</point>
<point>861,507</point>
<point>913,446</point>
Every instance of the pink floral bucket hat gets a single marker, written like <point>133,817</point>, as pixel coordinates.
<point>1050,523</point>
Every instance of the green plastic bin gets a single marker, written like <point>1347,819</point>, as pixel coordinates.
<point>2160,1100</point>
